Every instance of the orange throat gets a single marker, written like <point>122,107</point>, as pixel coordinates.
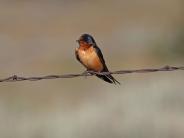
<point>84,46</point>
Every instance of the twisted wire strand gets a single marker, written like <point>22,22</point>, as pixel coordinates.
<point>16,78</point>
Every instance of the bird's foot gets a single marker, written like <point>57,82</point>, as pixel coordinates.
<point>86,73</point>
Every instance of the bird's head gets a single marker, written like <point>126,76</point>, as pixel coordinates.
<point>86,39</point>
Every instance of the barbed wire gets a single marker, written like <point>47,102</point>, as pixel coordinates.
<point>15,78</point>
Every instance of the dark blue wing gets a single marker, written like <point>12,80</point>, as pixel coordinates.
<point>100,55</point>
<point>108,78</point>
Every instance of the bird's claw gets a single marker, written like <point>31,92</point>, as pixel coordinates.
<point>86,73</point>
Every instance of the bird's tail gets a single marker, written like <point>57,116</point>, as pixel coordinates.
<point>108,78</point>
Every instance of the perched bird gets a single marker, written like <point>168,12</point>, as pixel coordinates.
<point>89,55</point>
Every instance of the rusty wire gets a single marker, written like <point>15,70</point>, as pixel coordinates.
<point>15,78</point>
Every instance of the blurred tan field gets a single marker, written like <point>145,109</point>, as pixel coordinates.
<point>38,38</point>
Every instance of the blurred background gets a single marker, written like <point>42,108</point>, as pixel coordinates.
<point>39,38</point>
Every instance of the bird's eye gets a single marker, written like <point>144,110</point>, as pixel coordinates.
<point>89,40</point>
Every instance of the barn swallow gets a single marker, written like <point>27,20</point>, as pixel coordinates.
<point>90,56</point>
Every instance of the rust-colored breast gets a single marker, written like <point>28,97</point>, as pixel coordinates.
<point>90,59</point>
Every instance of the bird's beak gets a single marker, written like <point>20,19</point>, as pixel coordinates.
<point>77,41</point>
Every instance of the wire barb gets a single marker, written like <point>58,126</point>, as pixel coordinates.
<point>16,78</point>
